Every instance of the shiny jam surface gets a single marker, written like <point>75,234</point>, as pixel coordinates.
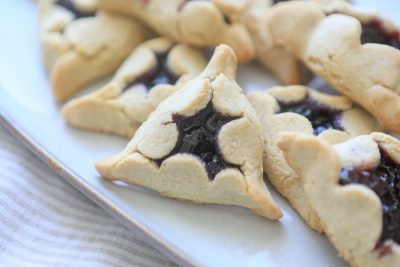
<point>321,116</point>
<point>160,74</point>
<point>384,180</point>
<point>277,1</point>
<point>198,135</point>
<point>373,32</point>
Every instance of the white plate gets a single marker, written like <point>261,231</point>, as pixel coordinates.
<point>209,235</point>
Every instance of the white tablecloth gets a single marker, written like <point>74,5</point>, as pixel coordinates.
<point>46,222</point>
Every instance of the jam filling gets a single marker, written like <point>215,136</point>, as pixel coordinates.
<point>69,4</point>
<point>277,1</point>
<point>384,180</point>
<point>321,117</point>
<point>160,74</point>
<point>373,32</point>
<point>198,135</point>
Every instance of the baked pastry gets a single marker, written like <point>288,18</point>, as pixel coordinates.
<point>286,67</point>
<point>198,23</point>
<point>152,72</point>
<point>332,117</point>
<point>74,52</point>
<point>276,58</point>
<point>354,189</point>
<point>202,144</point>
<point>300,109</point>
<point>54,17</point>
<point>358,54</point>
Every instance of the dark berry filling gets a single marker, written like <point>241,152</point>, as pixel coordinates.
<point>69,4</point>
<point>374,32</point>
<point>198,135</point>
<point>321,116</point>
<point>277,1</point>
<point>160,74</point>
<point>384,180</point>
<point>227,20</point>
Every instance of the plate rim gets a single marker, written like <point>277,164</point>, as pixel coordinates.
<point>68,175</point>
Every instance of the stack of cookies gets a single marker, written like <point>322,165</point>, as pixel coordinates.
<point>196,136</point>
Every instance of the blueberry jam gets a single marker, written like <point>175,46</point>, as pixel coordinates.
<point>384,180</point>
<point>321,117</point>
<point>69,4</point>
<point>373,32</point>
<point>160,74</point>
<point>277,1</point>
<point>198,135</point>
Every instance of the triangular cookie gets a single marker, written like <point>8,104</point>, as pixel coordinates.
<point>354,189</point>
<point>203,144</point>
<point>74,52</point>
<point>357,52</point>
<point>152,72</point>
<point>300,109</point>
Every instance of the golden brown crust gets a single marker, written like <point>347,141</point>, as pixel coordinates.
<point>119,110</point>
<point>73,48</point>
<point>275,57</point>
<point>355,121</point>
<point>351,215</point>
<point>366,73</point>
<point>183,176</point>
<point>286,67</point>
<point>198,23</point>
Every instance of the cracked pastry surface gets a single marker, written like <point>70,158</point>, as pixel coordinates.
<point>203,144</point>
<point>72,47</point>
<point>355,51</point>
<point>354,189</point>
<point>198,23</point>
<point>300,109</point>
<point>151,73</point>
